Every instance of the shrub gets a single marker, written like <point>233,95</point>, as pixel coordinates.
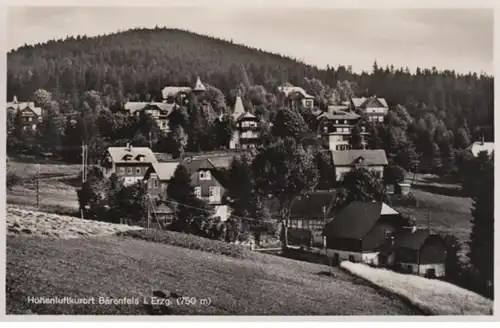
<point>12,180</point>
<point>188,241</point>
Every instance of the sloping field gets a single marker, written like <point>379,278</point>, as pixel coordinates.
<point>26,222</point>
<point>114,268</point>
<point>39,265</point>
<point>434,297</point>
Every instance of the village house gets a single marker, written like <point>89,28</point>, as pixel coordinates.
<point>159,111</point>
<point>180,94</point>
<point>129,163</point>
<point>246,134</point>
<point>308,216</point>
<point>158,176</point>
<point>335,127</point>
<point>293,97</point>
<point>480,146</point>
<point>32,115</point>
<point>208,185</point>
<point>360,230</point>
<point>417,251</point>
<point>375,108</point>
<point>344,161</point>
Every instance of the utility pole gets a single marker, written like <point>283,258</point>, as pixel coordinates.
<point>37,186</point>
<point>429,221</point>
<point>84,174</point>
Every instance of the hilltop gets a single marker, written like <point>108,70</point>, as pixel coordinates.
<point>137,64</point>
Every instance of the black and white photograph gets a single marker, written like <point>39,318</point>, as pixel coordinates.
<point>231,160</point>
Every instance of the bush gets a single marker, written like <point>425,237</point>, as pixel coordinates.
<point>394,174</point>
<point>12,180</point>
<point>189,241</point>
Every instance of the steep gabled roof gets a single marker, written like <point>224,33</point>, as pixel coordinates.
<point>355,220</point>
<point>349,157</point>
<point>198,85</point>
<point>131,155</point>
<point>165,171</point>
<point>238,109</point>
<point>411,240</point>
<point>311,205</point>
<point>16,105</point>
<point>194,165</point>
<point>363,102</point>
<point>133,106</point>
<point>339,115</point>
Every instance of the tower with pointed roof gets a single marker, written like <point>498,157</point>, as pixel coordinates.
<point>246,134</point>
<point>199,87</point>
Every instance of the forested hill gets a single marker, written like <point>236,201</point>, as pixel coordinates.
<point>138,63</point>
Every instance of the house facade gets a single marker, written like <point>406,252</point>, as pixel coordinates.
<point>360,230</point>
<point>208,185</point>
<point>375,108</point>
<point>293,97</point>
<point>130,163</point>
<point>158,176</point>
<point>344,161</point>
<point>419,252</point>
<point>159,111</point>
<point>246,134</point>
<point>308,216</point>
<point>180,94</point>
<point>335,127</point>
<point>32,115</point>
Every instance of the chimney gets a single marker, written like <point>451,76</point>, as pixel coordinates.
<point>482,139</point>
<point>413,229</point>
<point>15,100</point>
<point>128,146</point>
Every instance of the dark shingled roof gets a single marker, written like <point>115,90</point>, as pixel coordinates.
<point>355,220</point>
<point>368,156</point>
<point>410,240</point>
<point>311,205</point>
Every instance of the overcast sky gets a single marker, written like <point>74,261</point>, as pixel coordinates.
<point>460,39</point>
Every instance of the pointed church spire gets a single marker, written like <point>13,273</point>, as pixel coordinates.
<point>239,109</point>
<point>199,86</point>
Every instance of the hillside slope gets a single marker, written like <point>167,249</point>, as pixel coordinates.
<point>116,268</point>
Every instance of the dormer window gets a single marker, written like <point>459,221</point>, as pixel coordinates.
<point>140,158</point>
<point>387,234</point>
<point>127,157</point>
<point>205,175</point>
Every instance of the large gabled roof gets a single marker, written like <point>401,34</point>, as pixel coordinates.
<point>172,91</point>
<point>411,240</point>
<point>165,170</point>
<point>131,155</point>
<point>364,102</point>
<point>351,157</point>
<point>355,220</point>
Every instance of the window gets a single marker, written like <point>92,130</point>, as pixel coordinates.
<point>121,170</point>
<point>129,170</point>
<point>155,183</point>
<point>149,184</point>
<point>336,121</point>
<point>213,193</point>
<point>197,192</point>
<point>138,170</point>
<point>351,258</point>
<point>380,118</point>
<point>387,234</point>
<point>205,175</point>
<point>325,128</point>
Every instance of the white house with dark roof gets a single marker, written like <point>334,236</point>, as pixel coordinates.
<point>344,161</point>
<point>335,127</point>
<point>292,96</point>
<point>480,146</point>
<point>32,115</point>
<point>129,163</point>
<point>375,108</point>
<point>246,134</point>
